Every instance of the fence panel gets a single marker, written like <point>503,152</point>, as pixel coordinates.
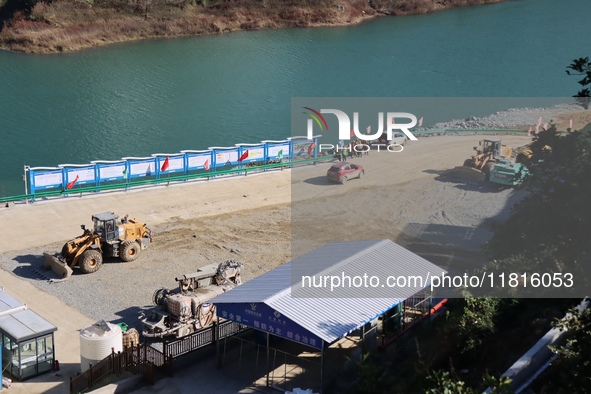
<point>153,355</point>
<point>80,382</point>
<point>191,342</point>
<point>229,328</point>
<point>200,338</point>
<point>101,369</point>
<point>142,358</point>
<point>139,359</point>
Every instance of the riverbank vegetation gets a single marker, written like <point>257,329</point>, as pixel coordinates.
<point>53,26</point>
<point>546,233</point>
<point>478,339</point>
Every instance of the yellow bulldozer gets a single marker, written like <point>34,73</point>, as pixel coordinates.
<point>477,169</point>
<point>109,238</point>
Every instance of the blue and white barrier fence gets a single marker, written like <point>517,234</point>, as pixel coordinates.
<point>100,172</point>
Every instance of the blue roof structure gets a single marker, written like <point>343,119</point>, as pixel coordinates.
<point>296,300</point>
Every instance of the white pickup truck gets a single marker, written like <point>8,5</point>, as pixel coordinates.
<point>397,139</point>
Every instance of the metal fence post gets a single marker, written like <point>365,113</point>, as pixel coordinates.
<point>112,360</point>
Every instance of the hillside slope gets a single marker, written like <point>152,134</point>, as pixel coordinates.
<point>69,25</point>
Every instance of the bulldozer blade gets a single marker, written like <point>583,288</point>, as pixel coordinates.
<point>468,175</point>
<point>58,266</point>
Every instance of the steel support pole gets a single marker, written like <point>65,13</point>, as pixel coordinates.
<point>268,359</point>
<point>322,368</point>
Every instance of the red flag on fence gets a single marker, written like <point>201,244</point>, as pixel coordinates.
<point>311,148</point>
<point>352,133</point>
<point>529,132</point>
<point>368,129</point>
<point>570,124</point>
<point>71,184</point>
<point>206,164</point>
<point>164,165</point>
<point>540,121</point>
<point>421,122</point>
<point>537,128</point>
<point>244,155</point>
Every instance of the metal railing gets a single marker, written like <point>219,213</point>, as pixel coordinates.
<point>135,359</point>
<point>200,338</point>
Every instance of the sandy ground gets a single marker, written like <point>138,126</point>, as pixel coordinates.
<point>580,119</point>
<point>263,220</point>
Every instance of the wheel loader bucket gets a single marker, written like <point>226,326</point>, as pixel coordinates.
<point>467,174</point>
<point>58,266</point>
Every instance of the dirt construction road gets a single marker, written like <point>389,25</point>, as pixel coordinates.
<point>262,220</point>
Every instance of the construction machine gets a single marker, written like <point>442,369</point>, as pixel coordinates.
<point>477,169</point>
<point>511,173</point>
<point>181,311</point>
<point>108,238</point>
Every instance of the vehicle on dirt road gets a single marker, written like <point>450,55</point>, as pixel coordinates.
<point>343,171</point>
<point>108,238</point>
<point>397,139</point>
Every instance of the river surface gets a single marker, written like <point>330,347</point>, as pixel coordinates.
<point>163,96</point>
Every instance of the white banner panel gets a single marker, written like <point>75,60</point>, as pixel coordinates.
<point>83,174</point>
<point>174,163</point>
<point>110,172</point>
<point>300,148</point>
<point>48,179</point>
<point>256,153</point>
<point>198,161</point>
<point>146,168</point>
<point>223,157</point>
<point>278,150</point>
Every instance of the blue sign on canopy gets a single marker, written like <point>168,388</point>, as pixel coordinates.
<point>264,318</point>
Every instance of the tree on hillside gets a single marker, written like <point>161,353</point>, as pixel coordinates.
<point>444,383</point>
<point>569,373</point>
<point>579,67</point>
<point>551,225</point>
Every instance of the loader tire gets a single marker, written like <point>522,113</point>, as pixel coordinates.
<point>90,261</point>
<point>130,250</point>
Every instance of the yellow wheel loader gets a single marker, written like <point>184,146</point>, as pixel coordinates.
<point>109,238</point>
<point>477,169</point>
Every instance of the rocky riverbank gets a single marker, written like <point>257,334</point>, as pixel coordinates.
<point>523,118</point>
<point>70,25</point>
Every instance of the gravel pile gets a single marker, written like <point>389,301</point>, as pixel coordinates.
<point>513,117</point>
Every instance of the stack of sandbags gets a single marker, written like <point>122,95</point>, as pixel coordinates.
<point>131,337</point>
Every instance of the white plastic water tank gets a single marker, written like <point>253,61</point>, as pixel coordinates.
<point>96,342</point>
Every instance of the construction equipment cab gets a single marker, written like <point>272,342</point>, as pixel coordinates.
<point>108,238</point>
<point>124,239</point>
